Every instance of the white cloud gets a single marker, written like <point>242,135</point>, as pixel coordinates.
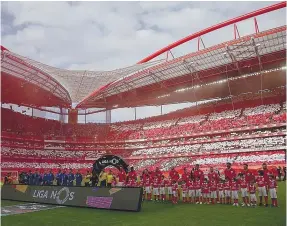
<point>109,35</point>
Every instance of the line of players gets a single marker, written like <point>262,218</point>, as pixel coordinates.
<point>47,178</point>
<point>199,190</point>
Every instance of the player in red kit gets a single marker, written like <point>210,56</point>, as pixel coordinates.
<point>128,183</point>
<point>121,177</point>
<point>262,183</point>
<point>173,174</point>
<point>174,192</point>
<point>185,175</point>
<point>157,174</point>
<point>247,173</point>
<point>220,187</point>
<point>145,175</point>
<point>227,191</point>
<point>132,174</point>
<point>125,184</point>
<point>156,185</point>
<point>213,190</point>
<point>243,187</point>
<point>234,191</point>
<point>133,183</point>
<point>197,186</point>
<point>212,175</point>
<point>169,188</point>
<point>229,172</point>
<point>205,191</point>
<point>272,185</point>
<point>252,193</point>
<point>184,192</point>
<point>197,173</point>
<point>266,172</point>
<point>148,188</point>
<point>191,191</point>
<point>163,184</point>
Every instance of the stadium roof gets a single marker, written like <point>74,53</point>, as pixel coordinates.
<point>255,51</point>
<point>70,85</point>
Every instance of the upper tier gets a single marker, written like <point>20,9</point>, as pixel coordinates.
<point>184,123</point>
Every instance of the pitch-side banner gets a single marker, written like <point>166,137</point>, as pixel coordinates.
<point>128,199</point>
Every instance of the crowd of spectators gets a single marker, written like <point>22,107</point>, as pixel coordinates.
<point>192,119</point>
<point>138,165</point>
<point>148,128</point>
<point>228,119</point>
<point>236,158</point>
<point>81,145</point>
<point>49,154</point>
<point>174,162</point>
<point>53,155</point>
<point>18,149</point>
<point>44,165</point>
<point>253,158</point>
<point>159,124</point>
<point>165,164</point>
<point>221,146</point>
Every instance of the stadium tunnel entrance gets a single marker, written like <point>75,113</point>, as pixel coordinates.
<point>109,160</point>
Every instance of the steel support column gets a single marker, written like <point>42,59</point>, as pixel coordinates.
<point>108,116</point>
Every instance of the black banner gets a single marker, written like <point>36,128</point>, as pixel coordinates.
<point>109,160</point>
<point>119,198</point>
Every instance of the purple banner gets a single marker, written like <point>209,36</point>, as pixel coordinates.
<point>99,202</point>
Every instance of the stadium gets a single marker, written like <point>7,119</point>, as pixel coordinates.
<point>238,116</point>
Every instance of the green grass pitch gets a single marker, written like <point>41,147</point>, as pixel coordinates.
<point>157,214</point>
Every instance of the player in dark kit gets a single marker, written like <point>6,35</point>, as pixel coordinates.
<point>79,178</point>
<point>71,178</point>
<point>30,178</point>
<point>50,178</point>
<point>64,179</point>
<point>45,178</point>
<point>59,178</point>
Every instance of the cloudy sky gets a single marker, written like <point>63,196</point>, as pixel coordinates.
<point>110,35</point>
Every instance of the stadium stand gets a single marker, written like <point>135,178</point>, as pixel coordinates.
<point>252,134</point>
<point>259,115</point>
<point>237,159</point>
